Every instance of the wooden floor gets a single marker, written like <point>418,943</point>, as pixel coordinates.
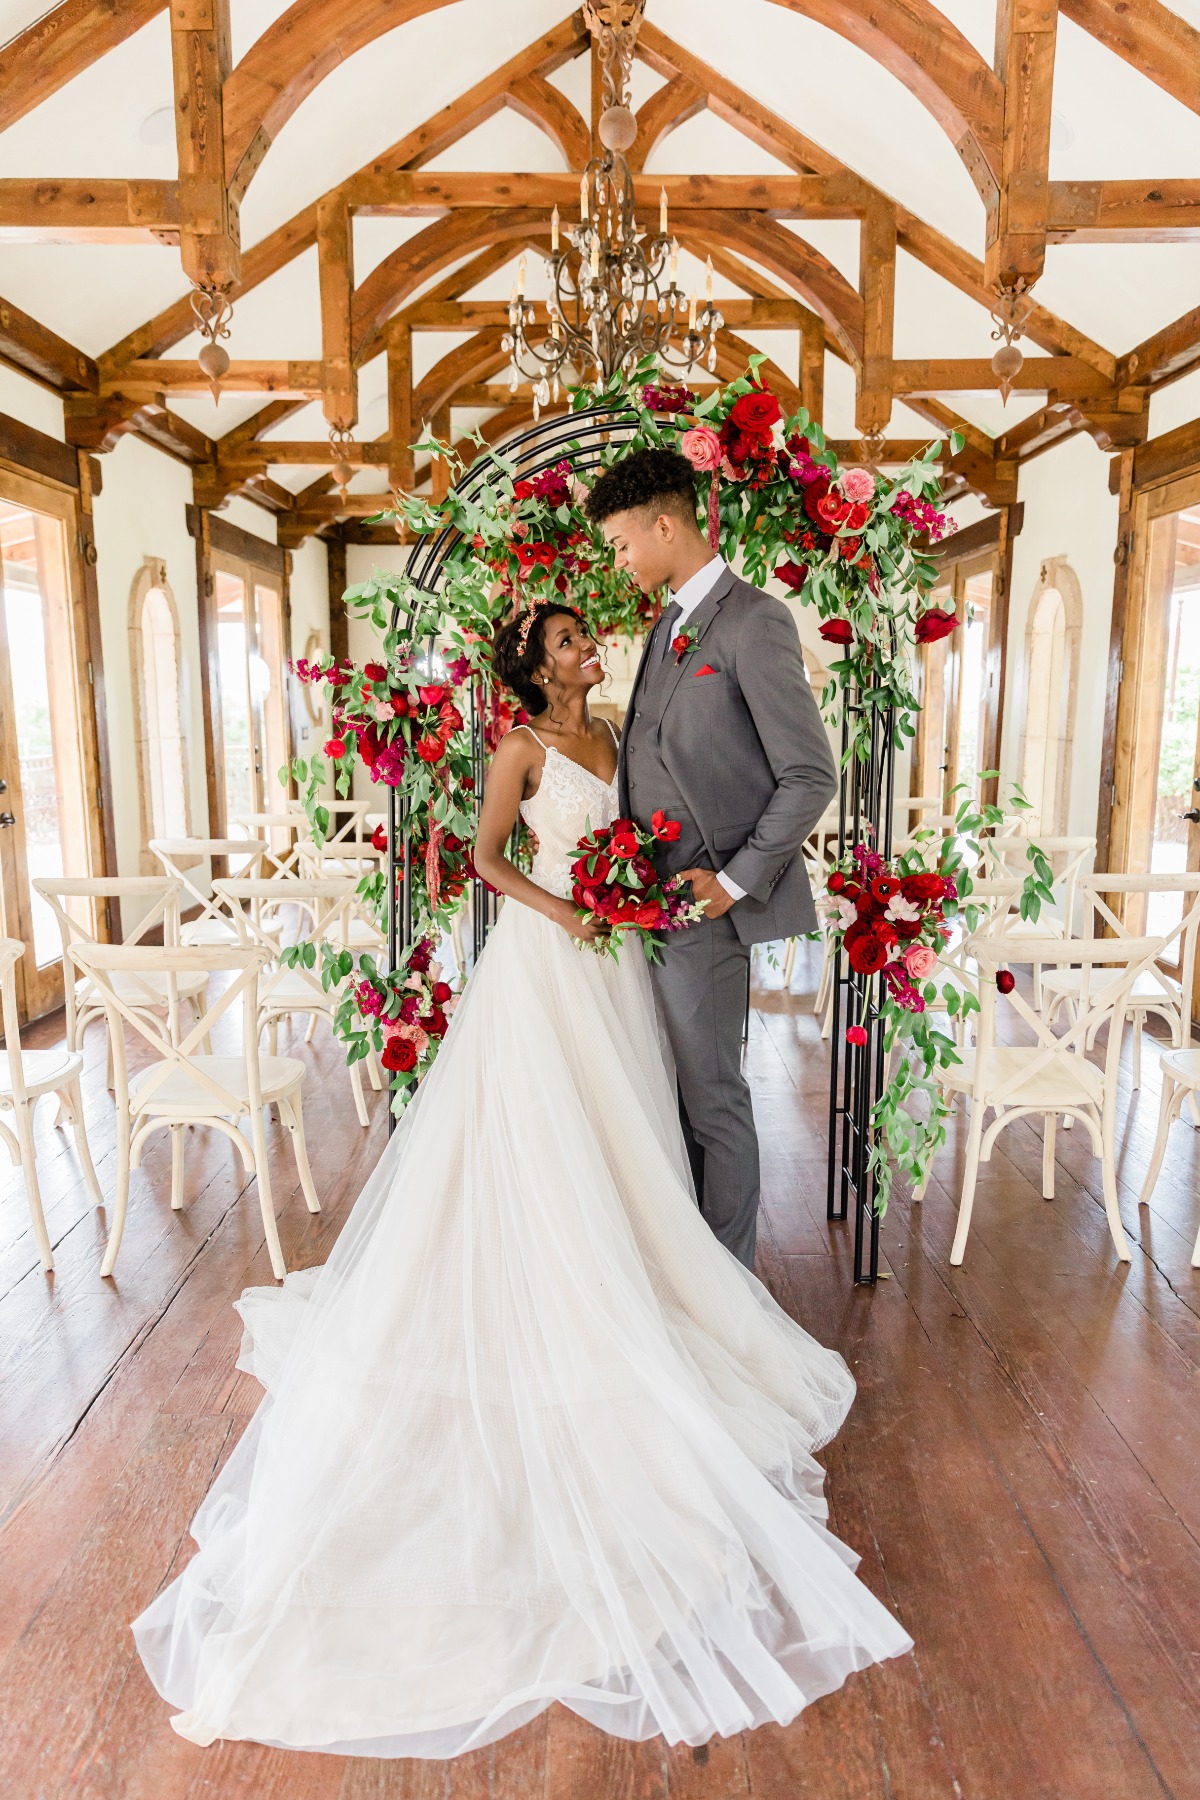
<point>1019,1473</point>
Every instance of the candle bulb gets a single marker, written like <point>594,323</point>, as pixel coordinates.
<point>674,260</point>
<point>708,280</point>
<point>692,314</point>
<point>595,264</point>
<point>583,198</point>
<point>554,230</point>
<point>521,278</point>
<point>662,212</point>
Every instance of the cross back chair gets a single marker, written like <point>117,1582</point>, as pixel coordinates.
<point>1180,1070</point>
<point>214,926</point>
<point>286,992</point>
<point>1052,1077</point>
<point>25,1075</point>
<point>283,863</point>
<point>144,991</point>
<point>179,1087</point>
<point>1156,991</point>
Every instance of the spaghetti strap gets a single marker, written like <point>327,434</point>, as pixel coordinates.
<point>533,734</point>
<point>613,730</point>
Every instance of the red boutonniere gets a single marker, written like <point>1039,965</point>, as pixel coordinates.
<point>685,641</point>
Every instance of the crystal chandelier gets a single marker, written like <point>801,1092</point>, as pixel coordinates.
<point>608,306</point>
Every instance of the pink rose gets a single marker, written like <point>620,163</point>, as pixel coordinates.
<point>415,1036</point>
<point>920,961</point>
<point>702,447</point>
<point>858,485</point>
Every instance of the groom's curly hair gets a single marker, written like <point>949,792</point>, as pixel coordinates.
<point>659,478</point>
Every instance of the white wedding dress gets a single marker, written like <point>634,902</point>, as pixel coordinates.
<point>531,1434</point>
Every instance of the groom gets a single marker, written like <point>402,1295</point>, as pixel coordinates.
<point>722,734</point>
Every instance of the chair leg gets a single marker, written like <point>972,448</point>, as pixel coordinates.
<point>1108,1166</point>
<point>121,1192</point>
<point>373,1075</point>
<point>293,1118</point>
<point>1194,1105</point>
<point>967,1202</point>
<point>258,1138</point>
<point>1167,1105</point>
<point>273,1035</point>
<point>108,1055</point>
<point>177,1168</point>
<point>360,1105</point>
<point>70,1103</point>
<point>1137,1051</point>
<point>789,964</point>
<point>1049,1123</point>
<point>24,1124</point>
<point>312,1028</point>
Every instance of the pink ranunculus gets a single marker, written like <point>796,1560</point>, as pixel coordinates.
<point>415,1036</point>
<point>920,961</point>
<point>858,485</point>
<point>702,447</point>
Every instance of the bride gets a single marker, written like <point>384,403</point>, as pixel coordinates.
<point>531,1433</point>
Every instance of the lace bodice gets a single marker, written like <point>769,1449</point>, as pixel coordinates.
<point>570,800</point>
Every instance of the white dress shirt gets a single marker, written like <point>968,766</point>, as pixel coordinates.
<point>696,588</point>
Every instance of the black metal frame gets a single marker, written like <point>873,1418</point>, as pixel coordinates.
<point>865,808</point>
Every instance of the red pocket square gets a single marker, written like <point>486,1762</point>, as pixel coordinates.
<point>706,670</point>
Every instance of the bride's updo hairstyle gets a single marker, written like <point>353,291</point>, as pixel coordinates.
<point>520,649</point>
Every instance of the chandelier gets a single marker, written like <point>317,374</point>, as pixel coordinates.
<point>608,306</point>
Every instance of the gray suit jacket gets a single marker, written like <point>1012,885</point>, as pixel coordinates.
<point>739,755</point>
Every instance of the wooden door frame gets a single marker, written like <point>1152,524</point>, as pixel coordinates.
<point>217,537</point>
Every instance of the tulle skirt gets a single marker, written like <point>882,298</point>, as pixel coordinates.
<point>531,1434</point>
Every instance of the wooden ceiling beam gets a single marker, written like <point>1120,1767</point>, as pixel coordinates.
<point>181,376</point>
<point>1026,36</point>
<point>60,45</point>
<point>1050,374</point>
<point>669,107</point>
<point>335,267</point>
<point>201,59</point>
<point>70,210</point>
<point>469,362</point>
<point>406,192</point>
<point>877,284</point>
<point>1165,356</point>
<point>1151,38</point>
<point>534,98</point>
<point>1099,212</point>
<point>473,315</point>
<point>38,352</point>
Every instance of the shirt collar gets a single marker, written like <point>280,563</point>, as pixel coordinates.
<point>698,586</point>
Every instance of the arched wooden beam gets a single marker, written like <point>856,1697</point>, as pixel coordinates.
<point>917,44</point>
<point>669,107</point>
<point>447,240</point>
<point>910,38</point>
<point>547,107</point>
<point>473,360</point>
<point>793,260</point>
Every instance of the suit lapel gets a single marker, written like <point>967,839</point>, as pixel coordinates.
<point>701,619</point>
<point>639,681</point>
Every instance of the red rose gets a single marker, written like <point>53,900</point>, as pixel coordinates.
<point>755,413</point>
<point>934,624</point>
<point>595,866</point>
<point>399,705</point>
<point>867,955</point>
<point>681,644</point>
<point>886,932</point>
<point>435,1023</point>
<point>468,782</point>
<point>399,1056</point>
<point>1006,981</point>
<point>857,517</point>
<point>883,887</point>
<point>379,838</point>
<point>335,747</point>
<point>909,928</point>
<point>836,882</point>
<point>442,991</point>
<point>375,672</point>
<point>813,496</point>
<point>665,830</point>
<point>836,631</point>
<point>830,510</point>
<point>432,696</point>
<point>856,1034</point>
<point>522,490</point>
<point>924,885</point>
<point>431,749</point>
<point>793,575</point>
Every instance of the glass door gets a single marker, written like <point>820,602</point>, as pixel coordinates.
<point>252,660</point>
<point>952,728</point>
<point>1157,803</point>
<point>48,792</point>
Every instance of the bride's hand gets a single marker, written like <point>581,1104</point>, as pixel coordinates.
<point>586,929</point>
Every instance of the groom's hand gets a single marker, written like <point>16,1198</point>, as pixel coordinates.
<point>706,887</point>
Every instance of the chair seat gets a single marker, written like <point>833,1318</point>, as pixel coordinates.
<point>181,1092</point>
<point>1147,989</point>
<point>209,931</point>
<point>288,988</point>
<point>1069,1080</point>
<point>45,1071</point>
<point>132,988</point>
<point>1183,1065</point>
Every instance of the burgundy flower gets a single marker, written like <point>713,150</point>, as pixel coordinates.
<point>836,631</point>
<point>934,624</point>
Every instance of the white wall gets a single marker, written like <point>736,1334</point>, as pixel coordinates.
<point>1069,512</point>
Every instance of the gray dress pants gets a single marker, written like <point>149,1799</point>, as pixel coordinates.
<point>700,990</point>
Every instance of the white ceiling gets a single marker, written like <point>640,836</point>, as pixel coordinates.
<point>1109,121</point>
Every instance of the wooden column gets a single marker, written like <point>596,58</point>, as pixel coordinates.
<point>440,471</point>
<point>400,405</point>
<point>208,219</point>
<point>339,624</point>
<point>996,658</point>
<point>812,366</point>
<point>335,252</point>
<point>1122,479</point>
<point>210,671</point>
<point>877,285</point>
<point>89,484</point>
<point>1026,33</point>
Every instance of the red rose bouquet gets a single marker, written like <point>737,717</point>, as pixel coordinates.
<point>403,1016</point>
<point>617,887</point>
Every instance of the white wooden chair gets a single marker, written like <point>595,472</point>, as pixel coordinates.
<point>82,1002</point>
<point>1006,857</point>
<point>285,861</point>
<point>1180,1070</point>
<point>1156,991</point>
<point>214,926</point>
<point>179,1087</point>
<point>287,992</point>
<point>1052,1077</point>
<point>25,1075</point>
